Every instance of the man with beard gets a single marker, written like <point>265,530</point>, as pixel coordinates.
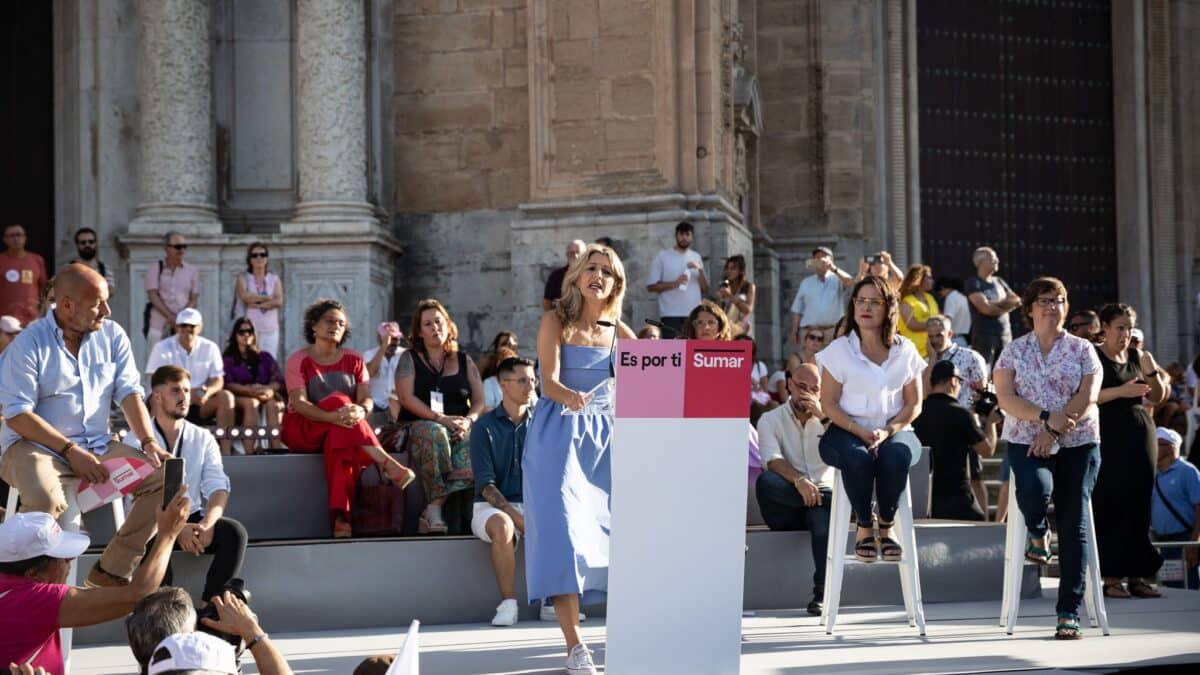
<point>677,276</point>
<point>86,244</point>
<point>57,386</point>
<point>796,490</point>
<point>208,531</point>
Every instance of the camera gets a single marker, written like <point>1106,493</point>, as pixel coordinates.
<point>986,403</point>
<point>236,587</point>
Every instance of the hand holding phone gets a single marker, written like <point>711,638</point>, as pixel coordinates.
<point>172,480</point>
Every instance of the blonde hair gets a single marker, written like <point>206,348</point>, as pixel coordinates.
<point>570,305</point>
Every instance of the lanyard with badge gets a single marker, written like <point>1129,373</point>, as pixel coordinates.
<point>437,401</point>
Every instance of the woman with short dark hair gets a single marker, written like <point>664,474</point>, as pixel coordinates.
<point>1047,382</point>
<point>1128,455</point>
<point>329,398</point>
<point>871,391</point>
<point>252,376</point>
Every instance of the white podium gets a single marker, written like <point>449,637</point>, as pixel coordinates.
<point>679,481</point>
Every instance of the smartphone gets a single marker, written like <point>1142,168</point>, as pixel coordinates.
<point>872,259</point>
<point>173,479</point>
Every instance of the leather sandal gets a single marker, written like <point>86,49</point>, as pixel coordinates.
<point>426,525</point>
<point>1067,628</point>
<point>1141,589</point>
<point>402,477</point>
<point>342,529</point>
<point>1116,590</point>
<point>865,550</point>
<point>1036,554</point>
<point>889,549</point>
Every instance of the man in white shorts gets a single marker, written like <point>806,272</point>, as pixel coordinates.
<point>497,444</point>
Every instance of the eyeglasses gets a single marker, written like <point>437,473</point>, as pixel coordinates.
<point>178,247</point>
<point>523,381</point>
<point>259,255</point>
<point>246,331</point>
<point>705,323</point>
<point>813,337</point>
<point>869,303</point>
<point>1051,302</point>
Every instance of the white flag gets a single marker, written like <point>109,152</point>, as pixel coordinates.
<point>407,661</point>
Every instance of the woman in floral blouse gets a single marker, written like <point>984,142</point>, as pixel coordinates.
<point>1048,382</point>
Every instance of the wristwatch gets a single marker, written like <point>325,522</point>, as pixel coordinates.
<point>1044,415</point>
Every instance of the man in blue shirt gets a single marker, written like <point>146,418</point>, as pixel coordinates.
<point>497,442</point>
<point>1175,507</point>
<point>57,385</point>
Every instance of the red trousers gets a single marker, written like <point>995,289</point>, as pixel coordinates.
<point>342,448</point>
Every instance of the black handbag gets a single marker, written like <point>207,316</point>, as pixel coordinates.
<point>149,307</point>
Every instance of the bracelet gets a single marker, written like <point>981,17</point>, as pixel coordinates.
<point>257,639</point>
<point>1051,431</point>
<point>148,440</point>
<point>66,448</point>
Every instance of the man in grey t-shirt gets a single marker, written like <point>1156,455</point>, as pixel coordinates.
<point>991,301</point>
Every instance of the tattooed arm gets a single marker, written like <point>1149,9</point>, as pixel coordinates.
<point>494,497</point>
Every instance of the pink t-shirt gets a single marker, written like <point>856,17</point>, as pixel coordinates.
<point>29,623</point>
<point>175,287</point>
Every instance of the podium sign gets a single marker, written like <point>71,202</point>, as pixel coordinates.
<point>677,544</point>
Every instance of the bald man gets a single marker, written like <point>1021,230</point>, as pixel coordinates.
<point>795,491</point>
<point>57,385</point>
<point>554,284</point>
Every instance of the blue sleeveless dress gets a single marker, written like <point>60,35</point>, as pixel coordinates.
<point>566,485</point>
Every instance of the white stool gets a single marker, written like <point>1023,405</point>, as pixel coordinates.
<point>70,520</point>
<point>835,557</point>
<point>1014,563</point>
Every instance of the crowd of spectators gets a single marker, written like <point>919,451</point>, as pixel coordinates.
<point>885,363</point>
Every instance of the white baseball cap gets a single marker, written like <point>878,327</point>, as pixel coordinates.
<point>190,316</point>
<point>9,324</point>
<point>25,536</point>
<point>1169,435</point>
<point>193,651</point>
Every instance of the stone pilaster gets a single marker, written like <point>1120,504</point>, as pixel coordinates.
<point>176,119</point>
<point>331,52</point>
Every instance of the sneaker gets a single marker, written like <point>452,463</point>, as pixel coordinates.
<point>549,615</point>
<point>506,614</point>
<point>580,661</point>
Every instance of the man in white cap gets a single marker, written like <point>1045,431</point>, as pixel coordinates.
<point>201,652</point>
<point>35,602</point>
<point>10,328</point>
<point>202,359</point>
<point>1175,507</point>
<point>381,367</point>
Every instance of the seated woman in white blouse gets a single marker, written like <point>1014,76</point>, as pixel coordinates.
<point>871,390</point>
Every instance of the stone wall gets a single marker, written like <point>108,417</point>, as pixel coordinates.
<point>462,105</point>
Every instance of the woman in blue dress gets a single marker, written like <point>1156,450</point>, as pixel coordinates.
<point>566,464</point>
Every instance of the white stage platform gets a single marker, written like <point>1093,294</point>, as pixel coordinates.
<point>962,638</point>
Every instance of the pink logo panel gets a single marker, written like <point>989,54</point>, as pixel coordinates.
<point>718,379</point>
<point>650,378</point>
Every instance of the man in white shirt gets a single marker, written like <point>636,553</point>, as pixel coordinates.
<point>819,303</point>
<point>956,306</point>
<point>677,276</point>
<point>381,366</point>
<point>795,490</point>
<point>208,531</point>
<point>201,357</point>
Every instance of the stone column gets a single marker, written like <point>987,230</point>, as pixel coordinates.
<point>176,119</point>
<point>331,53</point>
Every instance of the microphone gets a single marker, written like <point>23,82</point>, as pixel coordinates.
<point>612,370</point>
<point>668,332</point>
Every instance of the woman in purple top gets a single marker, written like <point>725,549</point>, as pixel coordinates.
<point>253,377</point>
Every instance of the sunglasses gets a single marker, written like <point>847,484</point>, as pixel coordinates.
<point>246,331</point>
<point>812,337</point>
<point>259,255</point>
<point>178,247</point>
<point>1077,326</point>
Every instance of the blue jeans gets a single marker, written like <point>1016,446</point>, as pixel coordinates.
<point>884,475</point>
<point>1068,477</point>
<point>783,509</point>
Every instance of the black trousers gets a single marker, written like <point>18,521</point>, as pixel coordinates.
<point>228,549</point>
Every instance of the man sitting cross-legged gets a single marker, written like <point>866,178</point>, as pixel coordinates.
<point>795,492</point>
<point>57,386</point>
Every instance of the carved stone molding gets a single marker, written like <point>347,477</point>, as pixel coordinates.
<point>331,66</point>
<point>176,115</point>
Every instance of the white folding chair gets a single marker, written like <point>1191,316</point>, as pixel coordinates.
<point>835,557</point>
<point>1014,563</point>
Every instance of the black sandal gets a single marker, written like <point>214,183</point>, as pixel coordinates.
<point>865,550</point>
<point>889,549</point>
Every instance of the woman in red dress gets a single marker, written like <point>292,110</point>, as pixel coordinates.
<point>329,398</point>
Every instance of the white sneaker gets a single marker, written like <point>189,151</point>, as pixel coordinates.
<point>549,615</point>
<point>506,613</point>
<point>580,661</point>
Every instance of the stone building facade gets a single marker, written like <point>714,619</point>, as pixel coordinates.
<point>389,150</point>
